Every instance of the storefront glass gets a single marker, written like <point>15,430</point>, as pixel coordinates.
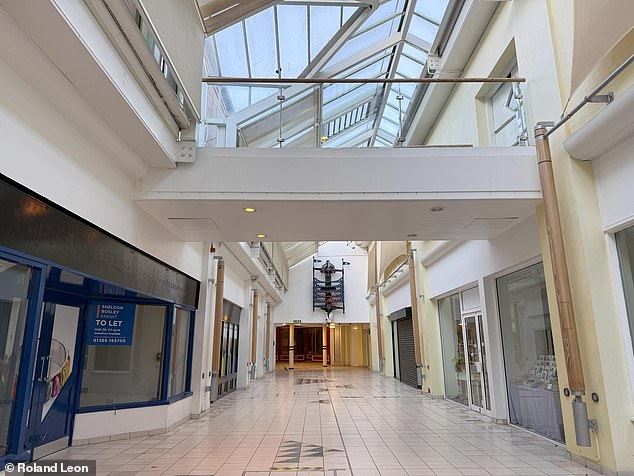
<point>180,352</point>
<point>531,369</point>
<point>14,287</point>
<point>625,246</point>
<point>116,374</point>
<point>456,381</point>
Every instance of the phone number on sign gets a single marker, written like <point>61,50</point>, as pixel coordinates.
<point>109,340</point>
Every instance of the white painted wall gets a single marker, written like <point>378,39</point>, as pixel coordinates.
<point>297,303</point>
<point>398,298</point>
<point>56,144</point>
<point>154,419</point>
<point>614,175</point>
<point>472,260</point>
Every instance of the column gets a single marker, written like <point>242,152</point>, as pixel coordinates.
<point>267,342</point>
<point>291,346</point>
<point>324,345</point>
<point>563,293</point>
<point>254,332</point>
<point>413,290</point>
<point>215,356</point>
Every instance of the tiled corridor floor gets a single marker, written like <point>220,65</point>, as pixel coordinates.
<point>335,422</point>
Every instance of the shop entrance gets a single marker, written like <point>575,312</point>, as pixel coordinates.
<point>54,381</point>
<point>475,362</point>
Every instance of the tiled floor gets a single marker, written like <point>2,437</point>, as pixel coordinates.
<point>335,422</point>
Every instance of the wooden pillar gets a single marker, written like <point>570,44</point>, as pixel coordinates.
<point>563,293</point>
<point>217,338</point>
<point>291,346</point>
<point>324,345</point>
<point>254,328</point>
<point>413,291</point>
<point>267,342</point>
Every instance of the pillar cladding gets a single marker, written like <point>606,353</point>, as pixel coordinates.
<point>415,318</point>
<point>572,352</point>
<point>291,346</point>
<point>324,345</point>
<point>254,333</point>
<point>267,341</point>
<point>215,356</point>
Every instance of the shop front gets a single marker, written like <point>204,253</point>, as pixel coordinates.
<point>87,324</point>
<point>464,350</point>
<point>531,369</point>
<point>403,347</point>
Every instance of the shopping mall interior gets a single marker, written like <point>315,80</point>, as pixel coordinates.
<point>329,237</point>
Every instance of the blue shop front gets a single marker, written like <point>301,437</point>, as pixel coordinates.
<point>88,323</point>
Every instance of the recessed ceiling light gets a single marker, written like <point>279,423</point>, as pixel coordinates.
<point>261,235</point>
<point>249,209</point>
<point>412,235</point>
<point>436,209</point>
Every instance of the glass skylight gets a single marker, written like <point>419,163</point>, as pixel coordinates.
<point>392,41</point>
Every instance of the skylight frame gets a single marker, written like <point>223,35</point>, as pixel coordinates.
<point>403,43</point>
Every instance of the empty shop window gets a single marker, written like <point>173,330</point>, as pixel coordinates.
<point>119,374</point>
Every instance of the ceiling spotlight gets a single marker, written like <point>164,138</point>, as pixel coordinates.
<point>436,209</point>
<point>261,235</point>
<point>249,209</point>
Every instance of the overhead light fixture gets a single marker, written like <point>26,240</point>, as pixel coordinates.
<point>412,235</point>
<point>261,235</point>
<point>436,209</point>
<point>249,209</point>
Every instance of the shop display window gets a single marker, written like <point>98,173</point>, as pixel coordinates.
<point>14,288</point>
<point>529,356</point>
<point>625,246</point>
<point>116,374</point>
<point>453,353</point>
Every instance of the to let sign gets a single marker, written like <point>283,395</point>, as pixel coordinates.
<point>111,324</point>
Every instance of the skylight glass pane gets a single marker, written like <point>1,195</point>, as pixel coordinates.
<point>231,51</point>
<point>389,127</point>
<point>347,13</point>
<point>261,40</point>
<point>432,9</point>
<point>384,11</point>
<point>409,68</point>
<point>414,53</point>
<point>359,43</point>
<point>383,56</point>
<point>324,24</point>
<point>391,113</point>
<point>258,94</point>
<point>423,29</point>
<point>293,32</point>
<point>235,98</point>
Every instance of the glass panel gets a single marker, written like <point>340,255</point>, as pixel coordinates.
<point>14,301</point>
<point>125,374</point>
<point>261,40</point>
<point>625,246</point>
<point>180,352</point>
<point>224,350</point>
<point>531,368</point>
<point>483,358</point>
<point>409,68</point>
<point>62,353</point>
<point>324,24</point>
<point>360,42</point>
<point>453,349</point>
<point>293,34</point>
<point>473,361</point>
<point>231,51</point>
<point>432,9</point>
<point>423,29</point>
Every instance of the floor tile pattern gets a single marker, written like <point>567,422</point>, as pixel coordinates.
<point>335,422</point>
